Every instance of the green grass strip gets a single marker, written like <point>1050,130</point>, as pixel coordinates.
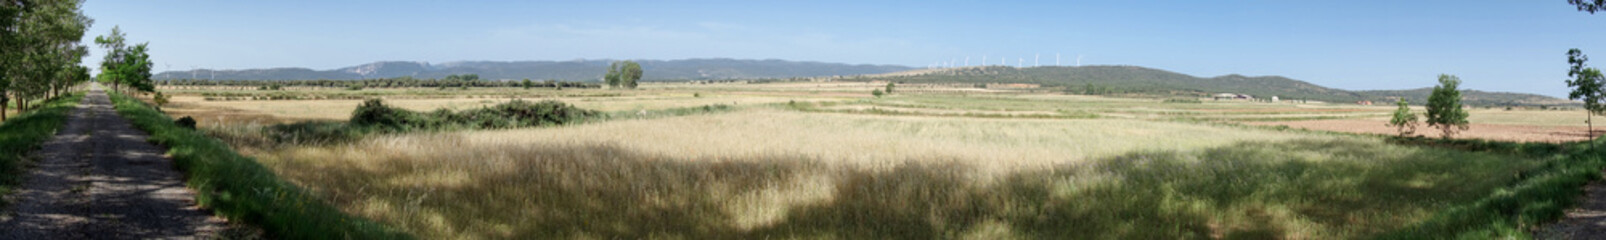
<point>1542,196</point>
<point>21,134</point>
<point>239,188</point>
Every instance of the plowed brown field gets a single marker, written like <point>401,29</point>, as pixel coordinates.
<point>1521,133</point>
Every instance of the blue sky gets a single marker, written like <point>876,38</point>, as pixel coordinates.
<point>1514,46</point>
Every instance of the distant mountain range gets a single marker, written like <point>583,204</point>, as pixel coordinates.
<point>1133,79</point>
<point>576,70</point>
<point>1125,79</point>
<point>1420,96</point>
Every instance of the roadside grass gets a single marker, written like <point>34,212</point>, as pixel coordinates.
<point>1515,210</point>
<point>21,135</point>
<point>240,189</point>
<point>452,186</point>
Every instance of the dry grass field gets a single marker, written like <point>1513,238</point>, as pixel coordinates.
<point>824,160</point>
<point>598,181</point>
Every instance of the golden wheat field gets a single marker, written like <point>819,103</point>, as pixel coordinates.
<point>797,164</point>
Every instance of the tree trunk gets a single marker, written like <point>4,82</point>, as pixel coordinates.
<point>3,102</point>
<point>1590,122</point>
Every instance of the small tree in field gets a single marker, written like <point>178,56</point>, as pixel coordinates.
<point>160,99</point>
<point>877,93</point>
<point>1587,86</point>
<point>889,88</point>
<point>1404,120</point>
<point>1444,106</point>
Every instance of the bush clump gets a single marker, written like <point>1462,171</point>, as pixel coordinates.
<point>186,122</point>
<point>373,113</point>
<point>1181,100</point>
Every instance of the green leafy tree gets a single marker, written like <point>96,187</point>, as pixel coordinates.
<point>1590,6</point>
<point>1587,87</point>
<point>528,84</point>
<point>1444,106</point>
<point>612,78</point>
<point>39,49</point>
<point>630,74</point>
<point>877,93</point>
<point>160,99</point>
<point>115,45</point>
<point>136,69</point>
<point>889,88</point>
<point>1403,120</point>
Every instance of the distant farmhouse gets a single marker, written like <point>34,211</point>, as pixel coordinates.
<point>1231,96</point>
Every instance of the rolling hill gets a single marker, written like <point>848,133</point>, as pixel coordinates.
<point>1420,96</point>
<point>577,70</point>
<point>1141,80</point>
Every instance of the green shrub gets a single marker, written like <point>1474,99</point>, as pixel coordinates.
<point>186,122</point>
<point>373,114</point>
<point>1180,100</point>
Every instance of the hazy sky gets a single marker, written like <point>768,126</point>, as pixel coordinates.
<point>1492,45</point>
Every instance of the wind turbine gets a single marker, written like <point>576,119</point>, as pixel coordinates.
<point>1079,60</point>
<point>984,60</point>
<point>967,61</point>
<point>1037,60</point>
<point>1019,61</point>
<point>1056,59</point>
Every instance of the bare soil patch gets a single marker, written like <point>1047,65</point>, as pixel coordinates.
<point>1503,132</point>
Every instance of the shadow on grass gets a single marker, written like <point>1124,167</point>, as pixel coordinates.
<point>21,134</point>
<point>1340,188</point>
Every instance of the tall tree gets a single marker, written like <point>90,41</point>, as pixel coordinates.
<point>39,48</point>
<point>629,74</point>
<point>136,69</point>
<point>115,46</point>
<point>125,64</point>
<point>612,78</point>
<point>1587,86</point>
<point>1444,106</point>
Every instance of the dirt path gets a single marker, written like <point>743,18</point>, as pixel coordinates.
<point>99,179</point>
<point>1587,221</point>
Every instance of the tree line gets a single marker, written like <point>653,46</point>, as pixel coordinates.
<point>40,52</point>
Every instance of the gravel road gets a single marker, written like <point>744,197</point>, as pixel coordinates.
<point>99,179</point>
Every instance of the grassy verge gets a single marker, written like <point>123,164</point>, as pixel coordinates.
<point>242,190</point>
<point>22,134</point>
<point>1542,195</point>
